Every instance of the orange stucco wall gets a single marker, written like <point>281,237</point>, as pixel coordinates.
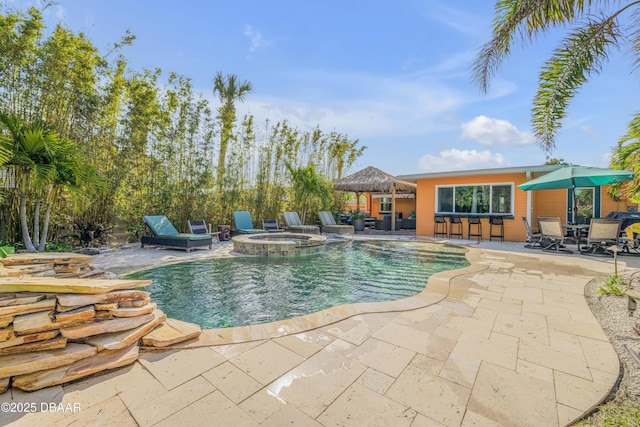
<point>426,204</point>
<point>543,203</point>
<point>406,206</point>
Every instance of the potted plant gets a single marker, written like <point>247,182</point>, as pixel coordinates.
<point>357,220</point>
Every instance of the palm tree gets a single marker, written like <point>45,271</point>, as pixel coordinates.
<point>229,90</point>
<point>29,146</point>
<point>72,173</point>
<point>595,32</point>
<point>43,165</point>
<point>581,54</point>
<point>308,186</point>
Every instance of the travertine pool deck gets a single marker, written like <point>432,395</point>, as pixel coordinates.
<point>509,340</point>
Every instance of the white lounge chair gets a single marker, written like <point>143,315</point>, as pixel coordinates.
<point>293,223</point>
<point>329,224</point>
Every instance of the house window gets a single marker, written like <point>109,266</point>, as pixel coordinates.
<point>475,199</point>
<point>385,205</point>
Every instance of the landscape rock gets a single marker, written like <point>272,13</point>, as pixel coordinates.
<point>5,321</point>
<point>42,321</point>
<point>104,360</point>
<point>107,326</point>
<point>172,331</point>
<point>64,286</point>
<point>44,305</point>
<point>134,311</point>
<point>118,340</point>
<point>110,297</point>
<point>53,343</point>
<point>79,314</point>
<point>26,339</point>
<point>16,300</point>
<point>26,363</point>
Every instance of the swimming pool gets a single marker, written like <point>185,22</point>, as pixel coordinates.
<point>238,291</point>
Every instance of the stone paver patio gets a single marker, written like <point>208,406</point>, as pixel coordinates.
<point>509,340</point>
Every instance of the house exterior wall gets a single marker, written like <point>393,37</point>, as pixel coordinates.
<point>543,203</point>
<point>426,204</point>
<point>406,206</point>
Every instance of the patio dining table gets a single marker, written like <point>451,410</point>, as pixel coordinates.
<point>577,231</point>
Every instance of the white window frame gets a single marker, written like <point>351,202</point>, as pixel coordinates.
<point>382,200</point>
<point>490,184</point>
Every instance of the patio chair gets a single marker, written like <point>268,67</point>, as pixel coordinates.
<point>244,224</point>
<point>293,223</point>
<point>533,239</point>
<point>630,240</point>
<point>200,227</point>
<point>329,224</point>
<point>165,234</point>
<point>552,237</point>
<point>271,225</point>
<point>602,234</point>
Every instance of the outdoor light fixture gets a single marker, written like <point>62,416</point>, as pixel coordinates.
<point>632,304</point>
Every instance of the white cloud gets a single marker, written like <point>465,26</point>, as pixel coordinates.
<point>494,132</point>
<point>363,106</point>
<point>458,19</point>
<point>455,159</point>
<point>589,131</point>
<point>255,36</point>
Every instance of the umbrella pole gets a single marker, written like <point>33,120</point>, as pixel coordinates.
<point>574,219</point>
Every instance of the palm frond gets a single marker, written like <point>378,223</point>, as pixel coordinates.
<point>580,55</point>
<point>627,156</point>
<point>522,20</point>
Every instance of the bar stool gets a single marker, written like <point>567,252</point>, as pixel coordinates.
<point>477,225</point>
<point>456,222</point>
<point>440,226</point>
<point>498,222</point>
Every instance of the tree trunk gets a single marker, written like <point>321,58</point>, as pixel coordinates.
<point>45,228</point>
<point>36,223</point>
<point>26,238</point>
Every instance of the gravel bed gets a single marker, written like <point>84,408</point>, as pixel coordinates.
<point>622,329</point>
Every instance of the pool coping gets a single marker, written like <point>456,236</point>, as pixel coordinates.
<point>438,287</point>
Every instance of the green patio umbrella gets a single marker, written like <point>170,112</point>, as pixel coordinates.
<point>576,176</point>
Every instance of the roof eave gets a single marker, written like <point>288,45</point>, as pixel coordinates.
<point>475,172</point>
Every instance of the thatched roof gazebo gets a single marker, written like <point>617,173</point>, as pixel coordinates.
<point>373,180</point>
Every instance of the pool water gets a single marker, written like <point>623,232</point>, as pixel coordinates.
<point>238,291</point>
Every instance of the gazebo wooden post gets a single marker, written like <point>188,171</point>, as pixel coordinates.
<point>393,207</point>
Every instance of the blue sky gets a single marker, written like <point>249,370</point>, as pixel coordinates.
<point>395,76</point>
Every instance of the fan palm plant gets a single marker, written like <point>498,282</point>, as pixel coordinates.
<point>43,165</point>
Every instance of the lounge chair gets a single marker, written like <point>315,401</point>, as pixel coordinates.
<point>533,239</point>
<point>551,234</point>
<point>602,234</point>
<point>165,234</point>
<point>244,224</point>
<point>293,223</point>
<point>200,227</point>
<point>271,225</point>
<point>329,224</point>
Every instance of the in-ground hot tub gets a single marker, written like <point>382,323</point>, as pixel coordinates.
<point>279,244</point>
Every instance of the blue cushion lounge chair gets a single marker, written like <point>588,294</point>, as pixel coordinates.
<point>244,224</point>
<point>292,220</point>
<point>165,234</point>
<point>329,224</point>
